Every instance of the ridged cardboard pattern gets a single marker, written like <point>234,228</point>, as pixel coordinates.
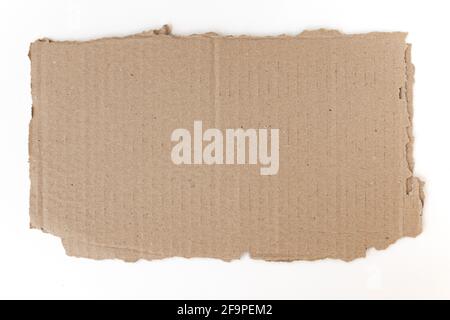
<point>102,177</point>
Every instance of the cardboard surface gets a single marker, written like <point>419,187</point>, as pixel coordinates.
<point>103,176</point>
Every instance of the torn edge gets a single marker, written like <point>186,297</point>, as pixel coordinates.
<point>414,197</point>
<point>409,83</point>
<point>166,30</point>
<point>34,151</point>
<point>77,248</point>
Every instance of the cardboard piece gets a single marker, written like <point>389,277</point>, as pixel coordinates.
<point>103,133</point>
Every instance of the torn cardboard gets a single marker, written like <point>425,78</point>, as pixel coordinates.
<point>102,177</point>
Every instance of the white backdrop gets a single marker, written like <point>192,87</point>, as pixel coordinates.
<point>33,264</point>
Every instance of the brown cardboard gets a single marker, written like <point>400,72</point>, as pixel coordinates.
<point>102,177</point>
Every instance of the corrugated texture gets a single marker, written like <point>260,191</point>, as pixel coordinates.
<point>103,112</point>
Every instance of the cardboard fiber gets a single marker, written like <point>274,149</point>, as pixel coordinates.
<point>337,108</point>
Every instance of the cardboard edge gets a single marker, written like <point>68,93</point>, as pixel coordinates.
<point>166,31</point>
<point>35,166</point>
<point>81,249</point>
<point>414,186</point>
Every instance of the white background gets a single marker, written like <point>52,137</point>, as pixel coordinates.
<point>34,265</point>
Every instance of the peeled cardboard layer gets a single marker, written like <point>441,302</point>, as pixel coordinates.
<point>104,111</point>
